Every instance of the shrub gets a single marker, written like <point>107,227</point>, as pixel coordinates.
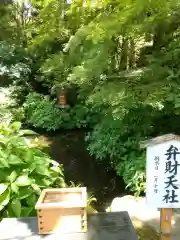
<point>115,142</point>
<point>43,112</point>
<point>25,170</point>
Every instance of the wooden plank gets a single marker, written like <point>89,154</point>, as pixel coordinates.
<point>41,198</point>
<point>62,220</point>
<point>62,198</point>
<point>166,224</point>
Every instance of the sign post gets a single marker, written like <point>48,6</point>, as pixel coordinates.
<point>165,224</point>
<point>163,178</point>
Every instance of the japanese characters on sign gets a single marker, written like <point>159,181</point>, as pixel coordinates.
<point>171,180</point>
<point>163,175</point>
<point>156,161</point>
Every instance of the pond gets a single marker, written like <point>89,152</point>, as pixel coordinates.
<point>70,149</point>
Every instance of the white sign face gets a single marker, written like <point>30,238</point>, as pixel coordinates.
<point>163,175</point>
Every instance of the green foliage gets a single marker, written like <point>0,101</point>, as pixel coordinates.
<point>14,63</point>
<point>122,55</point>
<point>73,185</point>
<point>90,209</point>
<point>15,71</point>
<point>115,142</point>
<point>25,170</point>
<point>43,112</point>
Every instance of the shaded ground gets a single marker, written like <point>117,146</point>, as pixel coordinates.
<point>70,149</point>
<point>145,232</point>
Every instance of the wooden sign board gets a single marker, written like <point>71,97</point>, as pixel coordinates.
<point>163,172</point>
<point>62,210</point>
<point>163,178</point>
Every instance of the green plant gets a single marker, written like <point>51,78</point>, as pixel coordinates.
<point>25,170</point>
<point>133,171</point>
<point>115,142</point>
<point>124,54</point>
<point>137,184</point>
<point>43,112</point>
<point>72,185</point>
<point>90,209</point>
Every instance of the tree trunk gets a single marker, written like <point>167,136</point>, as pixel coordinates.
<point>132,56</point>
<point>124,54</point>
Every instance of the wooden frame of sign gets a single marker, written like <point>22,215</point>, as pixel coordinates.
<point>62,210</point>
<point>171,158</point>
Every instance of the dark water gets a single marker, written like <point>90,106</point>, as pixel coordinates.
<point>70,149</point>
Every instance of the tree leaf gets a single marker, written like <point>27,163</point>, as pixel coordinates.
<point>4,140</point>
<point>29,157</point>
<point>4,175</point>
<point>27,132</point>
<point>3,159</point>
<point>177,105</point>
<point>26,211</point>
<point>14,188</point>
<point>24,193</point>
<point>10,213</point>
<point>56,168</point>
<point>23,180</point>
<point>36,189</point>
<point>3,187</point>
<point>1,166</point>
<point>43,182</point>
<point>31,200</point>
<point>14,160</point>
<point>12,176</point>
<point>15,125</point>
<point>16,207</point>
<point>4,199</point>
<point>32,167</point>
<point>42,170</point>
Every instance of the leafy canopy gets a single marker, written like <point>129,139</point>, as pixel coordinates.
<point>122,56</point>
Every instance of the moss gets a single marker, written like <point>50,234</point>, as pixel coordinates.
<point>145,232</point>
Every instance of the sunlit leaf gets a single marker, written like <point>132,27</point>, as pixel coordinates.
<point>12,176</point>
<point>14,188</point>
<point>4,199</point>
<point>24,193</point>
<point>3,188</point>
<point>16,207</point>
<point>15,125</point>
<point>14,160</point>
<point>23,180</point>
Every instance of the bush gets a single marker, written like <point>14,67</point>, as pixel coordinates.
<point>42,112</point>
<point>25,170</point>
<point>115,142</point>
